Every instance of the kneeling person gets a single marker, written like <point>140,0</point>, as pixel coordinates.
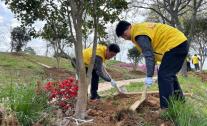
<point>103,53</point>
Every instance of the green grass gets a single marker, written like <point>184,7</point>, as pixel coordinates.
<point>112,62</point>
<point>50,61</point>
<point>26,61</point>
<point>23,100</point>
<point>9,61</point>
<point>22,68</point>
<point>186,114</point>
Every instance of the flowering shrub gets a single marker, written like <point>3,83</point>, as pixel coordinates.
<point>62,92</point>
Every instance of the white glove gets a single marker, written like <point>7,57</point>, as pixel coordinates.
<point>122,90</point>
<point>113,83</point>
<point>148,81</point>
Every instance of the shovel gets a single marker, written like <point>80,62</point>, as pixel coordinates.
<point>139,102</point>
<point>121,89</point>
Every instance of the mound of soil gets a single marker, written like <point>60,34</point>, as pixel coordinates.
<point>58,73</point>
<point>203,76</point>
<point>114,111</point>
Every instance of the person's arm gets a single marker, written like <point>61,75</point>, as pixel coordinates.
<point>145,43</point>
<point>199,59</point>
<point>100,70</point>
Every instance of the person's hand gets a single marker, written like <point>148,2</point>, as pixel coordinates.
<point>113,83</point>
<point>148,81</point>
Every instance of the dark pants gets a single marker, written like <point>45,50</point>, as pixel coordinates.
<point>188,66</point>
<point>167,80</point>
<point>196,66</point>
<point>94,84</point>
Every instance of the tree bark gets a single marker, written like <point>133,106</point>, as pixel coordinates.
<point>90,68</point>
<point>76,14</point>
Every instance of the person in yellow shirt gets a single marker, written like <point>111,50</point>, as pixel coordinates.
<point>158,42</point>
<point>195,62</point>
<point>103,53</point>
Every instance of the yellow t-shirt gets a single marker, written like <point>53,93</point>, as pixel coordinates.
<point>163,37</point>
<point>100,51</point>
<point>195,59</point>
<point>158,62</point>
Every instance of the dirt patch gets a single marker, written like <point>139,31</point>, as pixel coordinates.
<point>58,73</point>
<point>114,111</point>
<point>202,75</point>
<point>150,111</point>
<point>115,74</point>
<point>17,54</point>
<point>1,116</point>
<point>137,72</point>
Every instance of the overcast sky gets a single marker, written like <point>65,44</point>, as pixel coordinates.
<point>7,22</point>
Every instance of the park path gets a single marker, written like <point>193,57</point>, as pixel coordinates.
<point>107,85</point>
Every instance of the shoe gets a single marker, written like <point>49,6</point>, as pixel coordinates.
<point>96,97</point>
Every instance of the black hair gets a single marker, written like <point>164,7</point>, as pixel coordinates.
<point>114,48</point>
<point>121,27</point>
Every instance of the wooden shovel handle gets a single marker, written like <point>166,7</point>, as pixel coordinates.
<point>134,106</point>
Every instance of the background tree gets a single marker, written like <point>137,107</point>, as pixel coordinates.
<point>19,38</point>
<point>29,50</point>
<point>199,40</point>
<point>56,33</point>
<point>134,57</point>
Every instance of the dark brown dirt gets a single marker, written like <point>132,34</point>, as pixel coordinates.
<point>202,75</point>
<point>115,74</point>
<point>150,111</point>
<point>58,73</point>
<point>1,116</point>
<point>114,111</point>
<point>137,72</point>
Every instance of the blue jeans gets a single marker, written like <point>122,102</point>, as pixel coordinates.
<point>167,80</point>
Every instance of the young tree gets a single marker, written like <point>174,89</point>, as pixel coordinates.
<point>57,34</point>
<point>30,50</point>
<point>134,57</point>
<point>19,38</point>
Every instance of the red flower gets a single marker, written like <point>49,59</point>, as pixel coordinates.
<point>63,91</point>
<point>62,104</point>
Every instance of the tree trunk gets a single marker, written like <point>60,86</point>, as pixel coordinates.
<point>81,104</point>
<point>90,69</point>
<point>76,14</point>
